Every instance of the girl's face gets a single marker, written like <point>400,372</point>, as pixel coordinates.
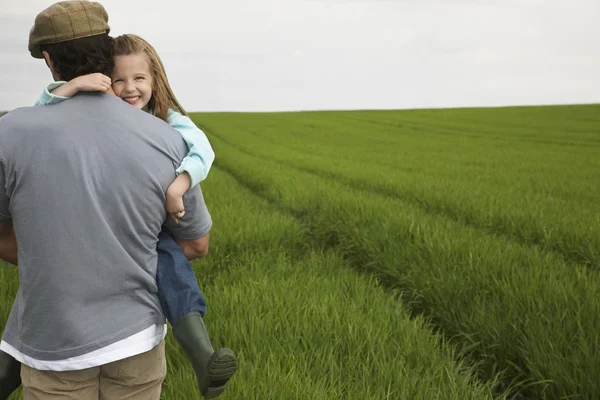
<point>132,80</point>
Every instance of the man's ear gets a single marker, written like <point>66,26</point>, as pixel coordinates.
<point>50,65</point>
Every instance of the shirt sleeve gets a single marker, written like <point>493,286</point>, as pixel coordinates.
<point>199,160</point>
<point>47,98</point>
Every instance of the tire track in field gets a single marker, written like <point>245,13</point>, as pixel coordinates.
<point>308,245</point>
<point>388,280</point>
<point>570,258</point>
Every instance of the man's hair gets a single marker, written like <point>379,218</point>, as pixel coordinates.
<point>82,56</point>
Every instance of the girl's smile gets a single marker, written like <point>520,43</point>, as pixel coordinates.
<point>132,100</point>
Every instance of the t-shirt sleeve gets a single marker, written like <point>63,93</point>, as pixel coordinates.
<point>196,222</point>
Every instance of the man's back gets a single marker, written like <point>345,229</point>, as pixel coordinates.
<point>86,181</point>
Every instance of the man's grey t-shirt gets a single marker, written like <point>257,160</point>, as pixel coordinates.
<point>84,184</point>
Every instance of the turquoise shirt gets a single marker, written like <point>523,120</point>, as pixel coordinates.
<point>198,161</point>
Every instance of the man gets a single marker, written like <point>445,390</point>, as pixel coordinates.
<point>83,183</point>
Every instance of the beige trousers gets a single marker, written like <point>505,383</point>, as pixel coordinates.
<point>136,378</point>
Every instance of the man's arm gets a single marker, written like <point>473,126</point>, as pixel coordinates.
<point>192,231</point>
<point>195,248</point>
<point>8,243</point>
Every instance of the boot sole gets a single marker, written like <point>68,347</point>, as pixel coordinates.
<point>222,365</point>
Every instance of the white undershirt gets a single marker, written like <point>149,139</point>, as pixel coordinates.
<point>136,344</point>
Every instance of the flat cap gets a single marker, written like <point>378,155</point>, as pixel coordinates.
<point>67,20</point>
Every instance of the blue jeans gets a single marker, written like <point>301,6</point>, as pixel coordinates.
<point>178,289</point>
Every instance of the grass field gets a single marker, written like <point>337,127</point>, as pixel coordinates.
<point>427,254</point>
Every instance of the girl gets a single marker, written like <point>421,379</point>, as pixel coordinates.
<point>139,78</point>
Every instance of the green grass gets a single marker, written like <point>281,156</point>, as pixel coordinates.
<point>426,254</point>
<point>515,304</point>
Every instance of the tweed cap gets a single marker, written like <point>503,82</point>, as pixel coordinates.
<point>67,20</point>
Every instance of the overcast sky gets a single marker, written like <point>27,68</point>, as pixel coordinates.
<point>265,55</point>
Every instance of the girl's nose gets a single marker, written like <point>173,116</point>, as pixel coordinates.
<point>129,87</point>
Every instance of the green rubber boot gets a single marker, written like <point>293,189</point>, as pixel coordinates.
<point>213,368</point>
<point>10,375</point>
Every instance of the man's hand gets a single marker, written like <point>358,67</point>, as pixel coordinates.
<point>86,83</point>
<point>8,244</point>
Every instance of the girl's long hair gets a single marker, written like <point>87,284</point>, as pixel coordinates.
<point>163,97</point>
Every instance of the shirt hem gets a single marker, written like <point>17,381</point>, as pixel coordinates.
<point>15,341</point>
<point>125,348</point>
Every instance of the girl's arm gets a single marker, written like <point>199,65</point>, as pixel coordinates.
<point>195,166</point>
<point>201,155</point>
<point>48,96</point>
<point>61,90</point>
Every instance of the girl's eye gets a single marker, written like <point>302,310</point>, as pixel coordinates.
<point>118,81</point>
<point>139,78</point>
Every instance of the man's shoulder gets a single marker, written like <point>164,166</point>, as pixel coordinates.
<point>10,125</point>
<point>17,113</point>
<point>17,117</point>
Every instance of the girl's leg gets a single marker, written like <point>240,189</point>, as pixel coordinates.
<point>178,289</point>
<point>10,375</point>
<point>185,306</point>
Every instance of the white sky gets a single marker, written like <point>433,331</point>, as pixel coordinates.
<point>266,55</point>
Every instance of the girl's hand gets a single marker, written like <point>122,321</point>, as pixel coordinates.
<point>175,191</point>
<point>175,207</point>
<point>92,83</point>
<point>86,83</point>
